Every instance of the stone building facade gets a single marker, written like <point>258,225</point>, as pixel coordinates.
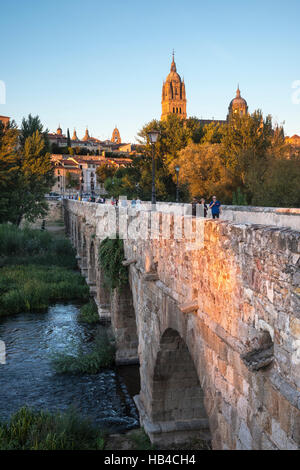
<point>174,99</point>
<point>173,94</point>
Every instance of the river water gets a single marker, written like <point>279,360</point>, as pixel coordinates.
<point>28,378</point>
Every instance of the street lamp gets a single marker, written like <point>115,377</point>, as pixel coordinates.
<point>177,168</point>
<point>92,187</point>
<point>81,184</point>
<point>153,137</point>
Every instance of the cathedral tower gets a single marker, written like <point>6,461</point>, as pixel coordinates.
<point>173,94</point>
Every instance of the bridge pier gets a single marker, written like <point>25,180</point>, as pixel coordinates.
<point>124,325</point>
<point>218,326</point>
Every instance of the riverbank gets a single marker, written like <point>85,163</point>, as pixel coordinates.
<point>37,270</point>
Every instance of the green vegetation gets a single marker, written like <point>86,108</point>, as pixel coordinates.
<point>33,288</point>
<point>111,255</point>
<point>24,246</point>
<point>89,313</point>
<point>36,271</point>
<point>141,440</point>
<point>101,356</point>
<point>40,430</point>
<point>245,161</point>
<point>26,171</point>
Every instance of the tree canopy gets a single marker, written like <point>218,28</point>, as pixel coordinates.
<point>26,172</point>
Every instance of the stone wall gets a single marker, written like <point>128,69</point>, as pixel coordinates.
<point>218,329</point>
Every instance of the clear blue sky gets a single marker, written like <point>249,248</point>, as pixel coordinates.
<point>101,63</point>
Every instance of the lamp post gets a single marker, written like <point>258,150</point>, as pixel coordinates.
<point>177,168</point>
<point>153,137</point>
<point>81,183</point>
<point>92,187</point>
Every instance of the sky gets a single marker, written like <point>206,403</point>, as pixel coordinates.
<point>98,63</point>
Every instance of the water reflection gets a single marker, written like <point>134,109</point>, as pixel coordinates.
<point>28,378</point>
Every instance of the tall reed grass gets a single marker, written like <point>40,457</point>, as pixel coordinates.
<point>36,270</point>
<point>39,430</point>
<point>101,356</point>
<point>89,313</point>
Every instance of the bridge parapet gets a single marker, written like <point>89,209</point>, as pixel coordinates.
<point>217,312</point>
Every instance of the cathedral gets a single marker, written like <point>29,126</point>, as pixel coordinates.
<point>173,94</point>
<point>174,99</point>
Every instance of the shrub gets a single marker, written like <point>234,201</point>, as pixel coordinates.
<point>111,255</point>
<point>101,356</point>
<point>20,246</point>
<point>40,430</point>
<point>33,288</point>
<point>89,313</point>
<point>141,440</point>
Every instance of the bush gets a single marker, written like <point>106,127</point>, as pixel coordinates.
<point>34,288</point>
<point>111,255</point>
<point>89,313</point>
<point>20,246</point>
<point>141,440</point>
<point>101,356</point>
<point>40,430</point>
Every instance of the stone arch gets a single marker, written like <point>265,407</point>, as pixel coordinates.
<point>92,264</point>
<point>177,412</point>
<point>123,320</point>
<point>79,247</point>
<point>73,234</point>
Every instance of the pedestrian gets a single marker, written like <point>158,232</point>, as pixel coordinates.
<point>194,206</point>
<point>133,203</point>
<point>204,206</point>
<point>215,206</point>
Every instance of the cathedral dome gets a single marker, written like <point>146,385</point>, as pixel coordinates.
<point>238,104</point>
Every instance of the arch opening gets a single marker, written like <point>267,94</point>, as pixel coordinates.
<point>177,396</point>
<point>92,264</point>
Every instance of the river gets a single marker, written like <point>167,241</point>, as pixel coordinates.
<point>28,378</point>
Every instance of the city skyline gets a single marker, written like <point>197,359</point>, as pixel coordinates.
<point>100,70</point>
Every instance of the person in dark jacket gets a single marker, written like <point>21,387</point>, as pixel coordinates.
<point>202,201</point>
<point>215,208</point>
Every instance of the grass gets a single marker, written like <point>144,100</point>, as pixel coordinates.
<point>101,356</point>
<point>89,313</point>
<point>40,430</point>
<point>32,246</point>
<point>140,440</point>
<point>37,270</point>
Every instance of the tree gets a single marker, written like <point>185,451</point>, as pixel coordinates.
<point>280,184</point>
<point>212,133</point>
<point>30,126</point>
<point>246,139</point>
<point>105,171</point>
<point>68,139</point>
<point>201,167</point>
<point>72,180</point>
<point>26,175</point>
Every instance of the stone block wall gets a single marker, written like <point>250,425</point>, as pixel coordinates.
<point>231,310</point>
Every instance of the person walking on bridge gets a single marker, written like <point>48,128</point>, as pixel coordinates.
<point>215,206</point>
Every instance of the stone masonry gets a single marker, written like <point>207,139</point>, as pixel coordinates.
<point>216,328</point>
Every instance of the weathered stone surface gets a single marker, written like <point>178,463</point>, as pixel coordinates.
<point>244,279</point>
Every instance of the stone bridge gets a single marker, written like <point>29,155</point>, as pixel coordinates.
<point>212,315</point>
